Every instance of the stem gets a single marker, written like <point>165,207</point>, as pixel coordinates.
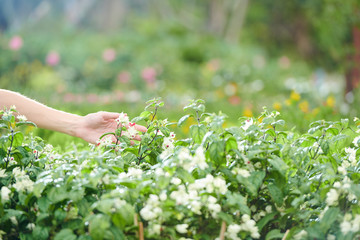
<point>140,145</point>
<point>275,134</point>
<point>141,156</point>
<point>117,137</point>
<point>153,116</point>
<point>197,117</point>
<point>222,231</point>
<point>9,150</point>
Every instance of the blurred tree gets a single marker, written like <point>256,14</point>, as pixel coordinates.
<point>324,32</point>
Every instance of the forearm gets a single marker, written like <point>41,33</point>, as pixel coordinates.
<point>43,116</point>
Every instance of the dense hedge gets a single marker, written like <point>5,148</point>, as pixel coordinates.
<point>256,180</point>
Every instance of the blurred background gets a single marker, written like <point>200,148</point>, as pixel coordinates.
<point>299,57</point>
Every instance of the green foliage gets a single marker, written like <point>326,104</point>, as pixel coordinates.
<point>261,179</point>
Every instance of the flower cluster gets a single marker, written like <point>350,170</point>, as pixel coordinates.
<point>247,225</point>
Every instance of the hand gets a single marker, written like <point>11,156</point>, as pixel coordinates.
<point>92,126</point>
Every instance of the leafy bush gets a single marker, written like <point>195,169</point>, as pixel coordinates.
<point>254,180</point>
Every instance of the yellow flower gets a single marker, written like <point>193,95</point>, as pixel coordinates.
<point>247,112</point>
<point>304,106</point>
<point>295,96</point>
<point>330,101</point>
<point>288,102</point>
<point>277,106</point>
<point>315,111</point>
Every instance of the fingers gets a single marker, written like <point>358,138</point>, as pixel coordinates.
<point>140,128</point>
<point>109,115</point>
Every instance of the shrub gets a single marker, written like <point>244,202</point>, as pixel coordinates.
<point>254,180</point>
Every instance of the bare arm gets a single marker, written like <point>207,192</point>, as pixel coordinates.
<point>89,127</point>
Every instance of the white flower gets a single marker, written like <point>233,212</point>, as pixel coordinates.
<point>105,141</point>
<point>220,184</point>
<point>159,172</point>
<point>154,229</point>
<point>134,172</point>
<point>345,227</point>
<point>300,235</point>
<point>182,228</point>
<point>123,119</point>
<point>13,220</point>
<point>21,118</point>
<point>241,145</point>
<point>232,231</point>
<point>342,169</point>
<point>2,173</point>
<point>176,181</point>
<point>332,197</point>
<point>30,226</point>
<point>196,206</point>
<point>234,228</point>
<point>24,184</point>
<point>18,173</point>
<point>268,208</point>
<point>147,213</point>
<point>355,141</point>
<point>242,172</point>
<point>5,194</point>
<point>172,134</point>
<point>131,132</point>
<point>331,237</point>
<point>247,124</point>
<point>199,158</point>
<point>168,143</point>
<point>181,197</point>
<point>163,196</point>
<point>356,224</point>
<point>249,225</point>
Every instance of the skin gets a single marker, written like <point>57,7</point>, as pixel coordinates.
<point>88,128</point>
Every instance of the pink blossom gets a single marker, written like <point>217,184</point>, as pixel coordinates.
<point>119,95</point>
<point>92,98</point>
<point>53,58</point>
<point>234,100</point>
<point>149,74</point>
<point>284,62</point>
<point>109,55</point>
<point>15,43</point>
<point>124,77</point>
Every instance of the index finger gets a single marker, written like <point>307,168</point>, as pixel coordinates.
<point>140,128</point>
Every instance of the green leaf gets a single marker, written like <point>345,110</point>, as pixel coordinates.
<point>274,234</point>
<point>105,134</point>
<point>18,139</point>
<point>117,233</point>
<point>57,194</point>
<point>26,123</point>
<point>231,143</point>
<point>98,224</point>
<point>226,217</point>
<point>329,218</point>
<point>65,234</point>
<point>123,216</point>
<point>182,120</point>
<point>262,223</point>
<point>238,201</point>
<point>216,152</point>
<point>185,175</point>
<point>252,183</point>
<point>278,164</point>
<point>276,194</point>
<point>197,132</point>
<point>40,233</point>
